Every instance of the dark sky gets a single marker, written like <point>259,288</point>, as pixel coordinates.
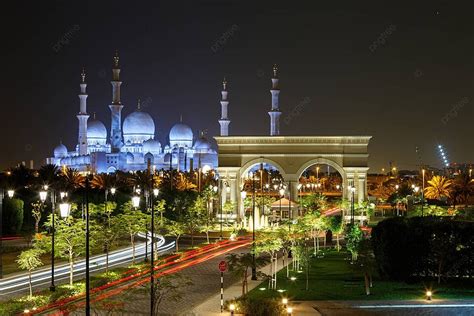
<point>399,90</point>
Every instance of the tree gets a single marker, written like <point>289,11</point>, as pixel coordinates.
<point>337,227</point>
<point>72,179</point>
<point>195,218</point>
<point>463,188</point>
<point>239,265</point>
<point>69,240</point>
<point>30,260</point>
<point>439,187</point>
<point>12,216</point>
<point>176,229</point>
<point>366,262</point>
<point>353,238</point>
<point>160,206</point>
<point>133,222</point>
<point>317,224</point>
<point>37,211</point>
<point>270,243</point>
<point>108,236</point>
<point>303,254</point>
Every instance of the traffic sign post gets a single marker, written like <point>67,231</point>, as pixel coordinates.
<point>222,269</point>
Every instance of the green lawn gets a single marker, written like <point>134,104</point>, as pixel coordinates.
<point>334,278</point>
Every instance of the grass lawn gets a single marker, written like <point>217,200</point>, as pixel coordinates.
<point>334,278</point>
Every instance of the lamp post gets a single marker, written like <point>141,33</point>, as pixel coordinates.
<point>282,194</point>
<point>254,268</point>
<point>352,190</point>
<point>147,205</point>
<point>43,196</point>
<point>227,190</point>
<point>422,191</point>
<point>152,254</point>
<point>88,298</point>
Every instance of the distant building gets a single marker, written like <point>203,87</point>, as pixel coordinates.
<point>132,145</point>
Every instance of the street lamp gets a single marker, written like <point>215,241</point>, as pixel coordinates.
<point>43,195</point>
<point>422,191</point>
<point>135,201</point>
<point>232,309</point>
<point>64,209</point>
<point>10,193</point>
<point>289,310</point>
<point>352,190</point>
<point>152,253</point>
<point>282,194</point>
<point>284,301</point>
<point>254,268</point>
<point>113,190</point>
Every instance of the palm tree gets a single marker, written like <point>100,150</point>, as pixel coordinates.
<point>72,179</point>
<point>463,188</point>
<point>49,174</point>
<point>103,181</point>
<point>438,188</point>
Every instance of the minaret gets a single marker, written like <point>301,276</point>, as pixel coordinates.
<point>275,111</point>
<point>82,116</point>
<point>224,121</point>
<point>116,108</point>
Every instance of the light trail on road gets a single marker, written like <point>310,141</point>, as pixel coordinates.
<point>172,264</point>
<point>15,284</point>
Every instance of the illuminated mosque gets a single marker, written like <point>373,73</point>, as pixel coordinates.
<point>132,145</point>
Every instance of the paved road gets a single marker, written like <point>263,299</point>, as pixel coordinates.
<point>42,278</point>
<point>201,270</point>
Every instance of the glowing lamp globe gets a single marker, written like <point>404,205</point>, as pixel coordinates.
<point>113,190</point>
<point>10,193</point>
<point>43,195</point>
<point>243,194</point>
<point>136,201</point>
<point>156,192</point>
<point>64,209</point>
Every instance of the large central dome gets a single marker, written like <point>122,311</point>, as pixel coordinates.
<point>138,127</point>
<point>181,135</point>
<point>96,133</point>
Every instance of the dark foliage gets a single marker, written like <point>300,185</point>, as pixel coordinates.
<point>424,247</point>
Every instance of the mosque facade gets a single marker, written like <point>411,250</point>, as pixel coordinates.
<point>131,145</point>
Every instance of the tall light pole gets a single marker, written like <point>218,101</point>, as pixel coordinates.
<point>43,196</point>
<point>152,254</point>
<point>352,188</point>
<point>88,298</point>
<point>422,191</point>
<point>254,268</point>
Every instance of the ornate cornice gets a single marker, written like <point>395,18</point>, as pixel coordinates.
<point>292,140</point>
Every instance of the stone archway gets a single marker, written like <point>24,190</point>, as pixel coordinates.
<point>292,155</point>
<point>326,161</point>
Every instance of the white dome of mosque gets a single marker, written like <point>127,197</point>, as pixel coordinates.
<point>138,127</point>
<point>202,144</point>
<point>151,146</point>
<point>96,130</point>
<point>181,135</point>
<point>60,151</point>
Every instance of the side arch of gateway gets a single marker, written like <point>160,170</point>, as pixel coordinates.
<point>291,156</point>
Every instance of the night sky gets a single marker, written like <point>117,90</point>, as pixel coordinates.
<point>401,73</point>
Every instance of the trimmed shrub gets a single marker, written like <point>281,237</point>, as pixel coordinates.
<point>12,216</point>
<point>407,248</point>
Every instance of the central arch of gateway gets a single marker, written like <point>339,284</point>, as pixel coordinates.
<point>291,155</point>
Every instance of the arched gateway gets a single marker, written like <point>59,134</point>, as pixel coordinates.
<point>292,155</point>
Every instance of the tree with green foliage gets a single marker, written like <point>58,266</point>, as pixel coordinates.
<point>353,238</point>
<point>315,221</point>
<point>30,260</point>
<point>160,206</point>
<point>269,242</point>
<point>239,265</point>
<point>12,216</point>
<point>366,262</point>
<point>69,240</point>
<point>175,229</point>
<point>301,251</point>
<point>134,222</point>
<point>37,212</point>
<point>336,225</point>
<point>194,219</point>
